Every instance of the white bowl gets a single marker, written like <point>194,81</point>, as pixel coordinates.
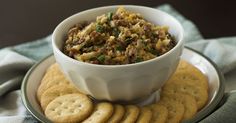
<point>119,82</point>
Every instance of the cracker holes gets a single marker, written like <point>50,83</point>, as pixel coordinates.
<point>197,100</point>
<point>60,103</point>
<point>65,107</point>
<point>78,106</point>
<point>53,109</point>
<point>73,111</point>
<point>194,93</point>
<point>174,111</point>
<point>57,83</point>
<point>169,107</point>
<point>73,101</point>
<point>59,113</point>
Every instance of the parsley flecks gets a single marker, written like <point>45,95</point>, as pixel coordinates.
<point>120,48</point>
<point>138,59</point>
<point>128,40</point>
<point>99,28</point>
<point>109,16</point>
<point>116,32</point>
<point>101,58</point>
<point>153,51</point>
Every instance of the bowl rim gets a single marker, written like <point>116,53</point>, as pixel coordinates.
<point>59,52</point>
<point>201,114</point>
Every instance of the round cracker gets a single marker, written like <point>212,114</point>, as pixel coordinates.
<point>54,92</point>
<point>117,115</point>
<point>145,115</point>
<point>159,113</point>
<point>189,102</point>
<point>131,114</point>
<point>53,76</point>
<point>52,71</point>
<point>191,77</point>
<point>200,94</point>
<point>101,113</point>
<point>175,110</point>
<point>189,73</point>
<point>53,81</point>
<point>69,108</point>
<point>182,65</point>
<point>56,80</point>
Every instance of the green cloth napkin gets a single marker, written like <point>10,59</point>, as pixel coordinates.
<point>16,60</point>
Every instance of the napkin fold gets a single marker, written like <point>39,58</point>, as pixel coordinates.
<point>15,61</point>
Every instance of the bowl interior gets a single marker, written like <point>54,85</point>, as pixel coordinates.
<point>216,87</point>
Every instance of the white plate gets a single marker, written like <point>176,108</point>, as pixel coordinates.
<point>216,84</point>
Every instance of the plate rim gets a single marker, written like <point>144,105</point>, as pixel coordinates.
<point>200,116</point>
<point>25,99</point>
<point>218,97</point>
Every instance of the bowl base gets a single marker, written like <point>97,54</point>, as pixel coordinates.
<point>154,97</point>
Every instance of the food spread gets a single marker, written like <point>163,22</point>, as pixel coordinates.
<point>115,38</point>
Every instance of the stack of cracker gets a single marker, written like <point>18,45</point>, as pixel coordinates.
<point>183,95</point>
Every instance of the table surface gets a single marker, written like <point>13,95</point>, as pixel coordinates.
<point>27,20</point>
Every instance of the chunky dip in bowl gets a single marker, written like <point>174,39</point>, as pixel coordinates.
<point>118,53</point>
<point>120,37</point>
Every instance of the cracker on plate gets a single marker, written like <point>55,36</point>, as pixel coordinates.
<point>159,113</point>
<point>101,113</point>
<point>69,108</point>
<point>52,77</point>
<point>118,114</point>
<point>145,115</point>
<point>175,110</point>
<point>189,102</point>
<point>131,114</point>
<point>54,92</point>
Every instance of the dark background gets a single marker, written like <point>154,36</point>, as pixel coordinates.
<point>27,20</point>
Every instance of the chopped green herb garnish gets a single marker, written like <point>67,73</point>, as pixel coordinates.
<point>120,48</point>
<point>116,32</point>
<point>101,58</point>
<point>138,59</point>
<point>128,40</point>
<point>99,28</point>
<point>109,15</point>
<point>153,51</point>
